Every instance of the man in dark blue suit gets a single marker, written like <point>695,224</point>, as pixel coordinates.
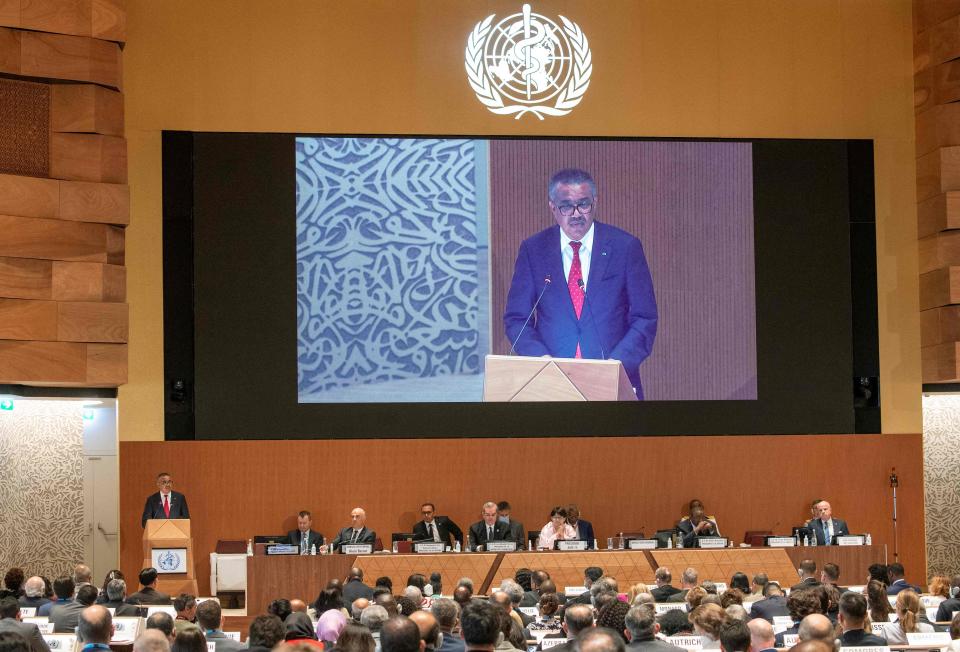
<point>166,503</point>
<point>825,527</point>
<point>584,528</point>
<point>616,320</point>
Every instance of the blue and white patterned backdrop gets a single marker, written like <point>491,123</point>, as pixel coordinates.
<point>391,269</point>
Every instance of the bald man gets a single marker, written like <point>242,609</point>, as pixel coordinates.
<point>151,640</point>
<point>762,638</point>
<point>298,605</point>
<point>429,629</point>
<point>816,627</point>
<point>356,532</point>
<point>812,646</point>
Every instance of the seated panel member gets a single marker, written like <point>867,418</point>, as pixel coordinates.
<point>516,531</point>
<point>564,262</point>
<point>166,503</point>
<point>557,529</point>
<point>357,532</point>
<point>436,528</point>
<point>825,527</point>
<point>305,536</point>
<point>489,528</point>
<point>697,524</point>
<point>584,528</point>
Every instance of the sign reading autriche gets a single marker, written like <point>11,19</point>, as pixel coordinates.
<point>527,63</point>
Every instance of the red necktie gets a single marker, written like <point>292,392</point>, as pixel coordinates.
<point>573,285</point>
<point>166,506</point>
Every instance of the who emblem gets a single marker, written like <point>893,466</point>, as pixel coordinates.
<point>526,63</point>
<point>169,561</point>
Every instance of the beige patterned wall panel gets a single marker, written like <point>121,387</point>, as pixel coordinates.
<point>941,479</point>
<point>41,495</point>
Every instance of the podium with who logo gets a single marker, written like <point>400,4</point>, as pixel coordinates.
<point>168,547</point>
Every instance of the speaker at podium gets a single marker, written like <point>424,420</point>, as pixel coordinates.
<point>168,547</point>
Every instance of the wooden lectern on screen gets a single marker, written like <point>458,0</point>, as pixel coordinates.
<point>170,538</point>
<point>521,378</point>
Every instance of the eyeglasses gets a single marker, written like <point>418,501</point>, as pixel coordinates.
<point>585,206</point>
<point>426,513</point>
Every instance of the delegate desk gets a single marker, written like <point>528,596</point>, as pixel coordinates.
<point>294,576</point>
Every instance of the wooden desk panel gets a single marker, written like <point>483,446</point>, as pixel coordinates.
<point>720,565</point>
<point>566,568</point>
<point>291,576</point>
<point>852,560</point>
<point>451,566</point>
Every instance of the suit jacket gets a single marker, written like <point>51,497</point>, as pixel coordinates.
<point>585,532</point>
<point>222,643</point>
<point>619,316</point>
<point>857,637</point>
<point>686,531</point>
<point>902,585</point>
<point>27,630</point>
<point>517,533</point>
<point>353,590</point>
<point>66,617</point>
<point>44,609</point>
<point>806,584</point>
<point>769,607</point>
<point>661,593</point>
<point>652,645</point>
<point>146,595</point>
<point>477,534</point>
<point>839,529</point>
<point>524,618</point>
<point>946,609</point>
<point>314,538</point>
<point>153,508</point>
<point>124,609</point>
<point>445,527</point>
<point>452,643</point>
<point>678,597</point>
<point>36,603</point>
<point>346,535</point>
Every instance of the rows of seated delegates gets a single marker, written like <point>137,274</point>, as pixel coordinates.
<point>523,614</point>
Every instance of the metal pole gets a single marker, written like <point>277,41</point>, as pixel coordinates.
<point>894,483</point>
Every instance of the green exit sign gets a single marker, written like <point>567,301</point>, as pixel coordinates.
<point>6,404</point>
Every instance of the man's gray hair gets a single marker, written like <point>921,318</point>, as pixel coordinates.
<point>690,576</point>
<point>570,177</point>
<point>446,612</point>
<point>151,640</point>
<point>644,598</point>
<point>373,617</point>
<point>414,594</point>
<point>514,590</point>
<point>605,584</point>
<point>356,610</point>
<point>640,621</point>
<point>34,587</point>
<point>488,505</point>
<point>116,589</point>
<point>736,612</point>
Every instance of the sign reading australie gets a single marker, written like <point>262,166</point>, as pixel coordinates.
<point>527,63</point>
<point>169,560</point>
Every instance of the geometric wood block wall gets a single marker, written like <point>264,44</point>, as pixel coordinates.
<point>64,200</point>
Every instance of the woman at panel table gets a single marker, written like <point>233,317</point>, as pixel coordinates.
<point>556,530</point>
<point>697,524</point>
<point>908,620</point>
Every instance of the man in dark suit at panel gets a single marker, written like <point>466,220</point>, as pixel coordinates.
<point>853,614</point>
<point>584,528</point>
<point>149,593</point>
<point>436,528</point>
<point>825,527</point>
<point>556,267</point>
<point>773,604</point>
<point>487,529</point>
<point>516,531</point>
<point>354,588</point>
<point>166,503</point>
<point>357,532</point>
<point>642,629</point>
<point>10,622</point>
<point>304,536</point>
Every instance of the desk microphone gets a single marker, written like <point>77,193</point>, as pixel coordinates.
<point>603,356</point>
<point>546,282</point>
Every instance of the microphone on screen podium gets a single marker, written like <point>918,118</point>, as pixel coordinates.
<point>586,300</point>
<point>546,282</point>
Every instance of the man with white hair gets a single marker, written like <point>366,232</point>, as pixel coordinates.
<point>373,618</point>
<point>33,593</point>
<point>515,591</point>
<point>687,581</point>
<point>356,532</point>
<point>151,640</point>
<point>116,596</point>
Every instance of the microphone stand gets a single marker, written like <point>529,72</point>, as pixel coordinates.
<point>894,483</point>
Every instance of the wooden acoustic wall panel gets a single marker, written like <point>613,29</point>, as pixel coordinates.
<point>27,237</point>
<point>60,57</point>
<point>938,213</point>
<point>26,278</point>
<point>628,483</point>
<point>24,124</point>
<point>64,321</point>
<point>89,157</point>
<point>86,108</point>
<point>67,200</point>
<point>103,19</point>
<point>63,363</point>
<point>939,325</point>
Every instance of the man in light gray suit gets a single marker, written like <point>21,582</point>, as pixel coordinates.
<point>66,617</point>
<point>641,630</point>
<point>209,618</point>
<point>10,622</point>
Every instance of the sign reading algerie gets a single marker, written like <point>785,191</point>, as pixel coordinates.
<point>527,63</point>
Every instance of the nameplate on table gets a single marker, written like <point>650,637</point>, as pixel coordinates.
<point>789,640</point>
<point>45,627</point>
<point>211,646</point>
<point>28,612</point>
<point>782,624</point>
<point>865,648</point>
<point>574,591</point>
<point>712,542</point>
<point>283,549</point>
<point>571,545</point>
<point>552,642</point>
<point>500,546</point>
<point>169,560</point>
<point>428,547</point>
<point>125,629</point>
<point>357,548</point>
<point>932,614</point>
<point>781,542</point>
<point>165,610</point>
<point>234,636</point>
<point>928,600</point>
<point>879,628</point>
<point>530,611</point>
<point>851,540</point>
<point>934,639</point>
<point>857,589</point>
<point>686,642</point>
<point>61,642</point>
<point>642,544</point>
<point>664,607</point>
<point>721,587</point>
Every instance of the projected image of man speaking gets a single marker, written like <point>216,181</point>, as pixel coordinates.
<point>595,293</point>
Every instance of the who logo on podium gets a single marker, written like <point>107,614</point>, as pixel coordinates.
<point>169,560</point>
<point>527,63</point>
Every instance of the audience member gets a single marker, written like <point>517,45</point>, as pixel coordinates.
<point>462,596</point>
<point>939,586</point>
<point>808,575</point>
<point>429,629</point>
<point>94,623</point>
<point>877,602</point>
<point>266,631</point>
<point>10,623</point>
<point>13,642</point>
<point>13,581</point>
<point>447,613</point>
<point>209,618</point>
<point>731,596</point>
<point>664,588</point>
<point>151,640</point>
<point>816,627</point>
<point>114,574</point>
<point>298,629</point>
<point>357,608</point>
<point>878,572</point>
<point>612,617</point>
<point>436,584</point>
<point>642,628</point>
<point>590,575</point>
<point>642,598</point>
<point>800,604</point>
<point>356,638</point>
<point>385,581</point>
<point>736,612</point>
<point>33,593</point>
<point>707,620</point>
<point>373,618</point>
<point>354,587</point>
<point>328,598</point>
<point>741,582</point>
<point>637,589</point>
<point>400,634</point>
<point>761,636</point>
<point>897,582</point>
<point>734,636</point>
<point>502,600</point>
<point>480,626</point>
<point>674,622</point>
<point>116,593</point>
<point>63,591</point>
<point>599,639</point>
<point>908,619</point>
<point>812,646</point>
<point>773,604</point>
<point>389,603</point>
<point>515,591</point>
<point>190,640</point>
<point>329,627</point>
<point>405,605</point>
<point>830,575</point>
<point>65,617</point>
<point>186,608</point>
<point>694,597</point>
<point>853,615</point>
<point>688,580</point>
<point>162,622</point>
<point>148,594</point>
<point>82,575</point>
<point>760,581</point>
<point>280,608</point>
<point>952,603</point>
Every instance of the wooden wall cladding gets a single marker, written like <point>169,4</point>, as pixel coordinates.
<point>238,489</point>
<point>64,202</point>
<point>937,104</point>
